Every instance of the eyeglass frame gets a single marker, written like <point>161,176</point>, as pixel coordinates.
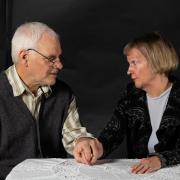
<point>50,59</point>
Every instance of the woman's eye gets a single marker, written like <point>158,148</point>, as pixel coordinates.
<point>133,63</point>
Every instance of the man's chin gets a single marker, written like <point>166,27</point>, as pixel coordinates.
<point>51,82</point>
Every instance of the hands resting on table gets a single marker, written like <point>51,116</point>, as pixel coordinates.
<point>88,150</point>
<point>147,165</point>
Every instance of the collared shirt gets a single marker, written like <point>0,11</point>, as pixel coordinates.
<point>20,89</point>
<point>72,129</point>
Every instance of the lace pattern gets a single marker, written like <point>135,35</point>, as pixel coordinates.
<point>68,169</point>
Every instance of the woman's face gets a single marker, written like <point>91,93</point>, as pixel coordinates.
<point>139,70</point>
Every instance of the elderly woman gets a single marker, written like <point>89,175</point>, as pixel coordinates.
<point>148,112</point>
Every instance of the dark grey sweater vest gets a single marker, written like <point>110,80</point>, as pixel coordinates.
<point>21,136</point>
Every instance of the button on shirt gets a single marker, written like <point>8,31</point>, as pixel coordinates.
<point>72,129</point>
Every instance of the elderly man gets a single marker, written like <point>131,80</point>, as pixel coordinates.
<point>38,114</point>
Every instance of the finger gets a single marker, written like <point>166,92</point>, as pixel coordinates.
<point>142,169</point>
<point>95,152</point>
<point>137,168</point>
<point>78,157</point>
<point>149,170</point>
<point>87,153</point>
<point>152,168</point>
<point>85,161</point>
<point>134,166</point>
<point>76,153</point>
<point>93,159</point>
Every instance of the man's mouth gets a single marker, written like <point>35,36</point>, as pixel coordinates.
<point>54,73</point>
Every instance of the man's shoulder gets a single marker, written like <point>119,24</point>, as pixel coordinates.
<point>3,79</point>
<point>2,75</point>
<point>6,89</point>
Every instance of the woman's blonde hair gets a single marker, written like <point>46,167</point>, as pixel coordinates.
<point>158,51</point>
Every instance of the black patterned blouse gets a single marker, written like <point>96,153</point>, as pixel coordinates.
<point>131,118</point>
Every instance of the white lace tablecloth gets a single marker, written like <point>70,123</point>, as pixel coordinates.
<point>69,169</point>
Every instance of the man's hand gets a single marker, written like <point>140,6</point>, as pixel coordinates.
<point>87,150</point>
<point>147,165</point>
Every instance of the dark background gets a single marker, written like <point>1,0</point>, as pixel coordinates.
<point>93,34</point>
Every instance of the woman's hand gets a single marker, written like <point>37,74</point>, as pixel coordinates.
<point>147,165</point>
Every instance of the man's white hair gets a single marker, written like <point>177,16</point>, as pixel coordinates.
<point>27,36</point>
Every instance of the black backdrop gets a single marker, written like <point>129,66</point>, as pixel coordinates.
<point>93,33</point>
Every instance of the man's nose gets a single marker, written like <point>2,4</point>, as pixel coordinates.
<point>58,65</point>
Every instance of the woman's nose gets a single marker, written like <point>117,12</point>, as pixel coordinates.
<point>129,70</point>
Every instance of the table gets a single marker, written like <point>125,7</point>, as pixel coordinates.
<point>69,169</point>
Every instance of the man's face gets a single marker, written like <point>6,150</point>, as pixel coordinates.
<point>139,70</point>
<point>42,71</point>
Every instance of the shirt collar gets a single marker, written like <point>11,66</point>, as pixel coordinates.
<point>19,87</point>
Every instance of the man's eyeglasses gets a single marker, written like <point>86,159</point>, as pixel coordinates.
<point>51,59</point>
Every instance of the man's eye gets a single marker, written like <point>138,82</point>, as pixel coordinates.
<point>52,58</point>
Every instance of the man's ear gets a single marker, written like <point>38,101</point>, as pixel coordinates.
<point>23,57</point>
